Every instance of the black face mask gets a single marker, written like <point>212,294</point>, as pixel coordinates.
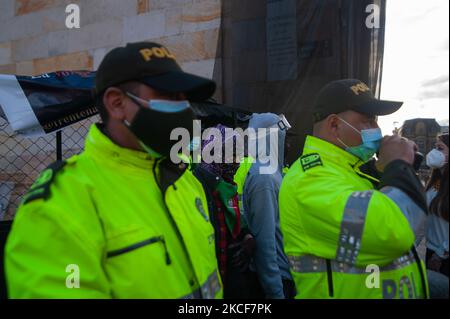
<point>152,125</point>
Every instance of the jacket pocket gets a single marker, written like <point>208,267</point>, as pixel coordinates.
<point>150,241</point>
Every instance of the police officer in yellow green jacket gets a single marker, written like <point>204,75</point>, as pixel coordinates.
<point>349,223</point>
<point>121,220</point>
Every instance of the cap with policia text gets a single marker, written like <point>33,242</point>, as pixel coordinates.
<point>350,94</point>
<point>151,64</point>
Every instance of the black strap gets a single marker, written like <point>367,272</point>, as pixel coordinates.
<point>169,173</point>
<point>330,278</point>
<point>5,227</point>
<point>422,275</point>
<point>370,169</point>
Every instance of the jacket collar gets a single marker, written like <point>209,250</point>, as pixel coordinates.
<point>99,146</point>
<point>330,152</point>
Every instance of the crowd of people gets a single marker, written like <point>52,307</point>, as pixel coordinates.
<point>122,220</point>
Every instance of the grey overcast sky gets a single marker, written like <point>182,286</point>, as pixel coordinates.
<point>416,60</point>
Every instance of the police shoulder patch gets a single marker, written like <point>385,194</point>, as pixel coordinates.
<point>41,187</point>
<point>310,160</point>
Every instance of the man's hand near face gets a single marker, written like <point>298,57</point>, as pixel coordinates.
<point>393,148</point>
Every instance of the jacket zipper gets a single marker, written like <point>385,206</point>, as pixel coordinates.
<point>172,220</point>
<point>150,241</point>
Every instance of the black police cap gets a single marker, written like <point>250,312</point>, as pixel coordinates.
<point>151,64</point>
<point>350,94</point>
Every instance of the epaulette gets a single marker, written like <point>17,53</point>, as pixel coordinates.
<point>309,161</point>
<point>41,187</point>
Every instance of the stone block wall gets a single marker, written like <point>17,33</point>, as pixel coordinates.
<point>34,38</point>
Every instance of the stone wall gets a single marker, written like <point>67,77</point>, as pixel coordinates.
<point>34,40</point>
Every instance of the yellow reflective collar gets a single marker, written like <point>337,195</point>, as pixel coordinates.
<point>329,151</point>
<point>102,148</point>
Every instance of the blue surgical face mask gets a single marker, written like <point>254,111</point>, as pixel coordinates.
<point>371,139</point>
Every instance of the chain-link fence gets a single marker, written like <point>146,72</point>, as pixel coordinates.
<point>22,159</point>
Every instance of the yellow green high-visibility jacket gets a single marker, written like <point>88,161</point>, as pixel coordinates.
<point>101,227</point>
<point>343,237</point>
<point>240,176</point>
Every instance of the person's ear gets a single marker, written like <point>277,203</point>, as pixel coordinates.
<point>114,102</point>
<point>332,123</point>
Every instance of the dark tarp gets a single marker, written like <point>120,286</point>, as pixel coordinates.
<point>212,113</point>
<point>276,54</point>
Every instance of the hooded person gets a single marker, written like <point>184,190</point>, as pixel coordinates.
<point>260,202</point>
<point>234,243</point>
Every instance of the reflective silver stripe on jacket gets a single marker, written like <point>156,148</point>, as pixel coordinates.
<point>211,286</point>
<point>413,213</point>
<point>208,290</point>
<point>352,227</point>
<point>313,264</point>
<point>241,203</point>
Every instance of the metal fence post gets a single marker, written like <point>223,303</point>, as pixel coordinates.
<point>58,146</point>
